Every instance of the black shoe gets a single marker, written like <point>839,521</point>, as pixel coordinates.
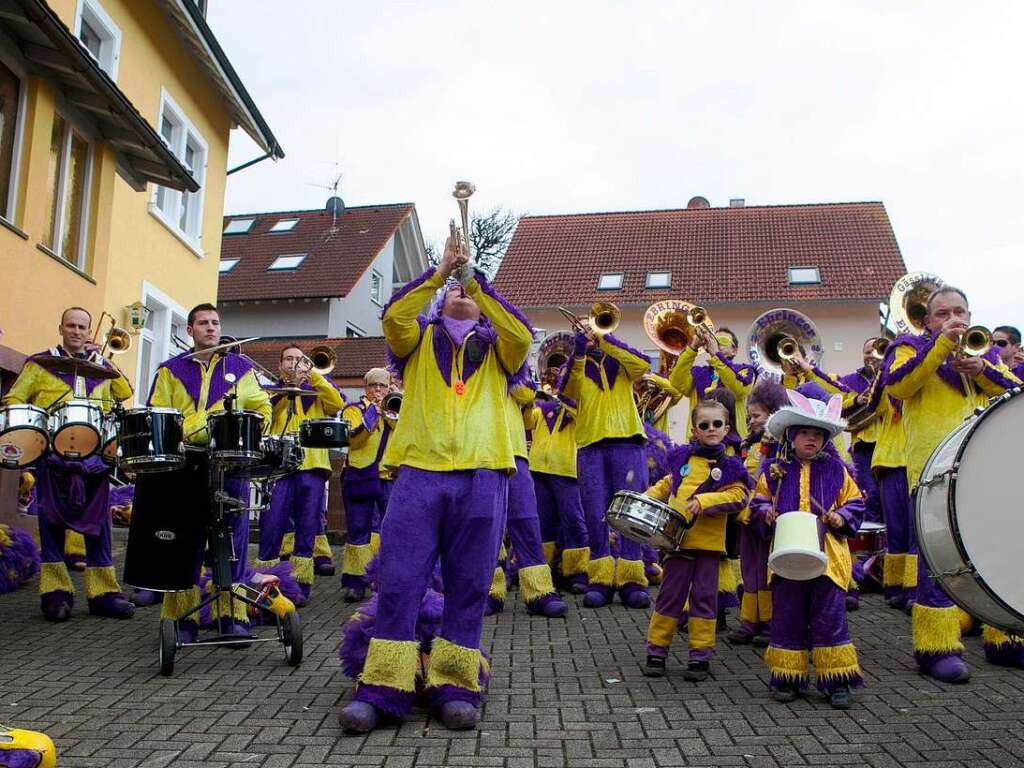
<point>761,641</point>
<point>840,698</point>
<point>739,637</point>
<point>785,694</point>
<point>655,667</point>
<point>697,671</point>
<point>722,624</point>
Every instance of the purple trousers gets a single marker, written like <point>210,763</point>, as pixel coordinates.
<point>862,453</point>
<point>900,535</point>
<point>560,510</point>
<point>97,546</point>
<point>456,516</point>
<point>692,577</point>
<point>365,501</point>
<point>605,468</point>
<point>755,608</point>
<point>298,496</point>
<point>524,533</point>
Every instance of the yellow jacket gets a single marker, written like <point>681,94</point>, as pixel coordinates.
<point>197,389</point>
<point>834,385</point>
<point>365,445</point>
<point>440,429</point>
<point>696,383</point>
<point>891,443</point>
<point>327,401</point>
<point>708,531</point>
<point>553,450</point>
<point>37,386</point>
<point>606,410</point>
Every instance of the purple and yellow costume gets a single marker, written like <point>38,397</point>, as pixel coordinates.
<point>696,382</point>
<point>755,544</point>
<point>73,495</point>
<point>453,451</point>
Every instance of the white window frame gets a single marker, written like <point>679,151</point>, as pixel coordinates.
<point>184,130</point>
<point>379,298</point>
<point>274,231</point>
<point>16,66</point>
<point>792,273</point>
<point>301,260</point>
<point>72,126</point>
<point>110,46</point>
<point>163,312</point>
<point>238,232</point>
<point>617,287</point>
<point>356,331</point>
<point>650,282</point>
<point>231,264</point>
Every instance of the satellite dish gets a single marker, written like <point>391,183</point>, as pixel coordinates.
<point>335,206</point>
<point>698,202</point>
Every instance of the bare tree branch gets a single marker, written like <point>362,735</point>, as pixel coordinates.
<point>490,233</point>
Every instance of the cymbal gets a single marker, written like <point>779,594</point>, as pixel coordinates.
<point>221,347</point>
<point>74,366</point>
<point>289,391</point>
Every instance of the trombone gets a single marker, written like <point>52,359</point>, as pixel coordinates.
<point>604,318</point>
<point>320,359</point>
<point>116,340</point>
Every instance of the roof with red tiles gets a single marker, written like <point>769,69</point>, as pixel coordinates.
<point>337,252</point>
<point>714,255</point>
<point>354,356</point>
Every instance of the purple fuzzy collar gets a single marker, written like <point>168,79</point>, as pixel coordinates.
<point>732,467</point>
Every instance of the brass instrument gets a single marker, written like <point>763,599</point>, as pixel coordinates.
<point>780,335</point>
<point>554,352</point>
<point>604,318</point>
<point>391,405</point>
<point>460,236</point>
<point>879,346</point>
<point>974,342</point>
<point>908,302</point>
<point>650,399</point>
<point>672,324</point>
<point>322,359</point>
<point>116,340</point>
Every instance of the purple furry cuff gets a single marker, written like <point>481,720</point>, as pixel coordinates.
<point>20,758</point>
<point>775,682</point>
<point>1006,655</point>
<point>388,700</point>
<point>831,684</point>
<point>487,288</point>
<point>439,695</point>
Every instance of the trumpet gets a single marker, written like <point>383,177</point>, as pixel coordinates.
<point>462,192</point>
<point>974,342</point>
<point>322,359</point>
<point>116,340</point>
<point>391,405</point>
<point>604,318</point>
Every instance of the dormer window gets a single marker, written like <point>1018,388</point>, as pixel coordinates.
<point>659,280</point>
<point>804,276</point>
<point>610,281</point>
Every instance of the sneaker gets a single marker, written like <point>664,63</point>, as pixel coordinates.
<point>784,694</point>
<point>840,698</point>
<point>697,671</point>
<point>655,667</point>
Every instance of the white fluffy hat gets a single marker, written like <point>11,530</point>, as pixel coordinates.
<point>804,412</point>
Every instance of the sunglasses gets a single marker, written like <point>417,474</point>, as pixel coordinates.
<point>704,426</point>
<point>1003,343</point>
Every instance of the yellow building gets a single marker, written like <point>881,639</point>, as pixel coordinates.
<point>115,118</point>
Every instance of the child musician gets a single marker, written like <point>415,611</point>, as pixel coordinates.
<point>705,485</point>
<point>808,475</point>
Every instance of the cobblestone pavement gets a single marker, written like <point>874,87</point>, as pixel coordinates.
<point>563,693</point>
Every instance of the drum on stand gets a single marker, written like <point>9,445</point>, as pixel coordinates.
<point>324,433</point>
<point>281,454</point>
<point>235,437</point>
<point>76,427</point>
<point>150,440</point>
<point>966,512</point>
<point>24,436</point>
<point>646,520</point>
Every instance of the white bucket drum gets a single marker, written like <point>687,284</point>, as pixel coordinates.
<point>23,435</point>
<point>796,550</point>
<point>967,512</point>
<point>76,427</point>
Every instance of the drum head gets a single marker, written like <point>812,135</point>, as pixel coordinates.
<point>987,500</point>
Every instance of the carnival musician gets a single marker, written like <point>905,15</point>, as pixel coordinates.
<point>73,493</point>
<point>1006,339</point>
<point>454,454</point>
<point>199,383</point>
<point>299,495</point>
<point>939,386</point>
<point>364,485</point>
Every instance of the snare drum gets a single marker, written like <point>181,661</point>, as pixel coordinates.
<point>796,549</point>
<point>870,540</point>
<point>646,520</point>
<point>76,426</point>
<point>235,437</point>
<point>23,435</point>
<point>281,454</point>
<point>150,440</point>
<point>108,440</point>
<point>323,433</point>
<point>966,512</point>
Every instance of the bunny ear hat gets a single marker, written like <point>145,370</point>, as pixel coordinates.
<point>804,412</point>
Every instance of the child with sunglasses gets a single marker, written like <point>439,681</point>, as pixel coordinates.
<point>809,475</point>
<point>705,484</point>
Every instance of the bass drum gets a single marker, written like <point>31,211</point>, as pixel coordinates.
<point>968,529</point>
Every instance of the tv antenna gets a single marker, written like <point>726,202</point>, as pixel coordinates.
<point>335,205</point>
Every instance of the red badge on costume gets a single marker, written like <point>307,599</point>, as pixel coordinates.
<point>460,388</point>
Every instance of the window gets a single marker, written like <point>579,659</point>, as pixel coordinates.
<point>226,265</point>
<point>238,226</point>
<point>804,276</point>
<point>659,279</point>
<point>353,331</point>
<point>10,103</point>
<point>163,337</point>
<point>611,281</point>
<point>182,212</point>
<point>100,35</point>
<point>287,262</point>
<point>67,189</point>
<point>284,225</point>
<point>376,287</point>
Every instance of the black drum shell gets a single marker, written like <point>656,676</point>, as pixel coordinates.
<point>323,433</point>
<point>150,440</point>
<point>235,436</point>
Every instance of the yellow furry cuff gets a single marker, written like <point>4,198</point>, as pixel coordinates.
<point>936,630</point>
<point>452,664</point>
<point>966,621</point>
<point>661,630</point>
<point>786,665</point>
<point>498,585</point>
<point>535,581</point>
<point>100,581</point>
<point>322,547</point>
<point>375,542</point>
<point>74,543</point>
<point>701,632</point>
<point>502,553</point>
<point>287,545</point>
<point>575,561</point>
<point>602,571</point>
<point>654,573</point>
<point>998,638</point>
<point>354,558</point>
<point>302,569</point>
<point>748,608</point>
<point>264,565</point>
<point>392,663</point>
<point>764,605</point>
<point>549,552</point>
<point>836,662</point>
<point>893,569</point>
<point>630,572</point>
<point>225,606</point>
<point>5,536</point>
<point>53,577</point>
<point>727,581</point>
<point>177,604</point>
<point>910,573</point>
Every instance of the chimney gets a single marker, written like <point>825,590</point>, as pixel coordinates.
<point>737,202</point>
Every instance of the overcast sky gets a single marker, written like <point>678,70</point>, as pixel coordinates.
<point>560,107</point>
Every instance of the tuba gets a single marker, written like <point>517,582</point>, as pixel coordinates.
<point>908,302</point>
<point>780,334</point>
<point>671,324</point>
<point>555,351</point>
